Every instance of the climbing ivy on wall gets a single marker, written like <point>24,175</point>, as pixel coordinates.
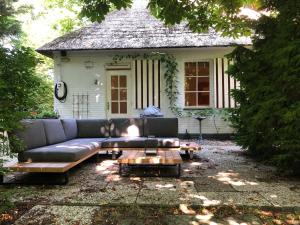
<point>171,80</point>
<point>170,75</point>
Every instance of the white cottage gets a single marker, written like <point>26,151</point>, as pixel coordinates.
<point>99,87</point>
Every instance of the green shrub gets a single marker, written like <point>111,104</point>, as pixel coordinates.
<point>44,115</point>
<point>268,117</point>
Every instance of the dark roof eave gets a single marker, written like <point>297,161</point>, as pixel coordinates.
<point>49,52</point>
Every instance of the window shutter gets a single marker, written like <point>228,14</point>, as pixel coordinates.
<point>147,83</point>
<point>223,84</point>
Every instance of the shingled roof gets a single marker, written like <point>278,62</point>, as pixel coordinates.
<point>135,29</point>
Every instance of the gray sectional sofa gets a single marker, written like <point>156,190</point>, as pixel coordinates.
<point>67,140</point>
<point>70,140</point>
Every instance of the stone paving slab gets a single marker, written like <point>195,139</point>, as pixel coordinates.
<point>283,199</point>
<point>261,187</point>
<point>58,215</point>
<point>125,194</point>
<point>206,184</point>
<point>160,197</point>
<point>163,192</point>
<point>227,198</point>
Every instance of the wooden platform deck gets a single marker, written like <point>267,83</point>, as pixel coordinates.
<point>46,167</point>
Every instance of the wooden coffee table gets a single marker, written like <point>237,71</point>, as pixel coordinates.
<point>139,158</point>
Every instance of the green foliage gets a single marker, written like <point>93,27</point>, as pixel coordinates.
<point>96,10</point>
<point>44,115</point>
<point>222,15</point>
<point>268,117</point>
<point>9,26</point>
<point>5,202</point>
<point>22,90</point>
<point>71,19</point>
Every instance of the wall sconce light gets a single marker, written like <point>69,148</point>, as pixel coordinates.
<point>98,82</point>
<point>89,64</point>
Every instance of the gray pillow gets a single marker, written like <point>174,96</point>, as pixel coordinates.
<point>93,128</point>
<point>161,127</point>
<point>54,131</point>
<point>126,127</point>
<point>33,134</point>
<point>70,128</point>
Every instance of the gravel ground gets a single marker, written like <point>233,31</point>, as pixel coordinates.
<point>220,177</point>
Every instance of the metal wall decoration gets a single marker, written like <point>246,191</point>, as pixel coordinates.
<point>80,106</point>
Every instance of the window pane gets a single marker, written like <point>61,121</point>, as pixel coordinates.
<point>114,81</point>
<point>123,107</point>
<point>114,94</point>
<point>203,68</point>
<point>203,98</point>
<point>123,81</point>
<point>190,69</point>
<point>123,94</point>
<point>190,83</point>
<point>115,107</point>
<point>203,84</point>
<point>190,99</point>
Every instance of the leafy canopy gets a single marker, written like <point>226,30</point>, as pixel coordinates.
<point>222,15</point>
<point>22,89</point>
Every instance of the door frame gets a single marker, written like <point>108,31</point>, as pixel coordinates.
<point>128,74</point>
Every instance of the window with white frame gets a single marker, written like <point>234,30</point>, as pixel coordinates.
<point>197,80</point>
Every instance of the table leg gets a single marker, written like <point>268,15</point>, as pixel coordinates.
<point>120,169</point>
<point>113,154</point>
<point>97,158</point>
<point>179,170</point>
<point>1,178</point>
<point>65,177</point>
<point>191,154</point>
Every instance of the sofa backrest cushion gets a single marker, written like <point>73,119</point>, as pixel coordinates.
<point>161,127</point>
<point>93,128</point>
<point>33,134</point>
<point>54,131</point>
<point>70,128</point>
<point>127,127</point>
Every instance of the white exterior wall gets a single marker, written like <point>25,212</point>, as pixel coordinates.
<point>80,80</point>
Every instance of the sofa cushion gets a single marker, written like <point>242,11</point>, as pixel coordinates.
<point>93,128</point>
<point>168,142</point>
<point>54,131</point>
<point>33,134</point>
<point>126,127</point>
<point>161,127</point>
<point>69,151</point>
<point>124,142</point>
<point>70,128</point>
<point>89,142</point>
